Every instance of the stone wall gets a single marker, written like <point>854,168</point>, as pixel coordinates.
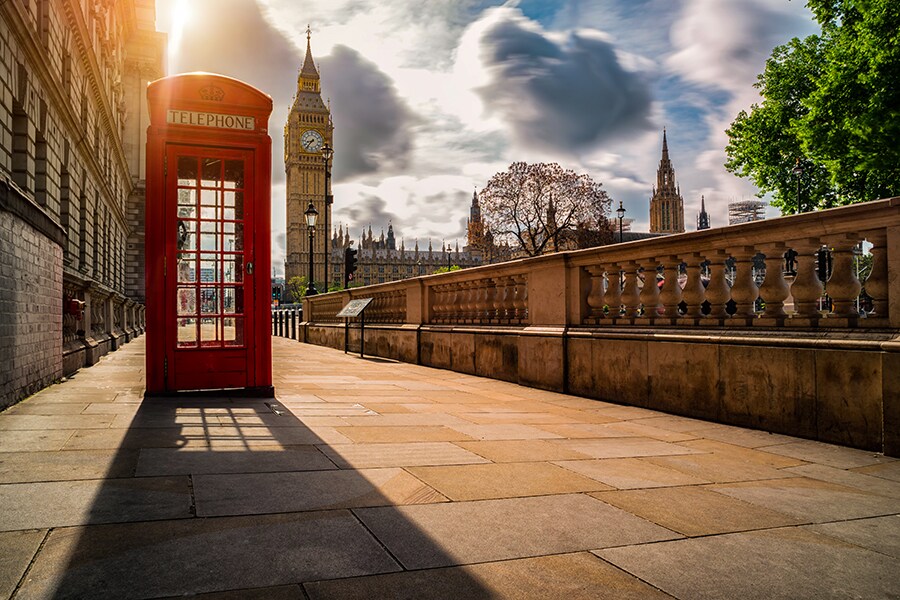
<point>30,315</point>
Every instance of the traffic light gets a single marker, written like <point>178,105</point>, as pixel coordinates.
<point>350,264</point>
<point>275,291</point>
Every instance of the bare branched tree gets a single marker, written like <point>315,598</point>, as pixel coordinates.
<point>542,207</point>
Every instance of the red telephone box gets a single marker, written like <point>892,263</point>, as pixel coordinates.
<point>208,235</point>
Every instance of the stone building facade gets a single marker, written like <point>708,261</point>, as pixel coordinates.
<point>73,75</point>
<point>380,259</point>
<point>666,204</point>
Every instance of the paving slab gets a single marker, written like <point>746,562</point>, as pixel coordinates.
<point>175,558</point>
<point>17,548</point>
<point>811,500</point>
<point>630,473</point>
<point>520,450</point>
<point>281,592</point>
<point>789,564</point>
<point>881,534</point>
<point>860,481</point>
<point>434,433</point>
<point>24,467</point>
<point>34,441</point>
<point>63,503</point>
<point>436,535</point>
<point>35,408</point>
<point>719,468</point>
<point>889,470</point>
<point>828,454</point>
<point>695,511</point>
<point>221,495</point>
<point>362,456</point>
<point>194,461</point>
<point>47,422</point>
<point>628,447</point>
<point>738,452</point>
<point>580,576</point>
<point>503,432</point>
<point>504,480</point>
<point>749,438</point>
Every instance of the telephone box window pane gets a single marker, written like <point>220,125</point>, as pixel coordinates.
<point>187,301</point>
<point>187,238</point>
<point>209,271</point>
<point>208,226</point>
<point>209,242</point>
<point>233,332</point>
<point>239,205</point>
<point>187,170</point>
<point>234,174</point>
<point>209,300</point>
<point>187,212</point>
<point>187,333</point>
<point>187,267</point>
<point>229,301</point>
<point>186,198</point>
<point>238,237</point>
<point>234,271</point>
<point>209,332</point>
<point>212,172</point>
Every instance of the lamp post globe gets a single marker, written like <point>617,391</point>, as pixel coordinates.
<point>312,216</point>
<point>620,212</point>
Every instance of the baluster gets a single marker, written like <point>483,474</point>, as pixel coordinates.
<point>670,294</point>
<point>490,291</point>
<point>877,282</point>
<point>521,299</point>
<point>452,313</point>
<point>631,298</point>
<point>433,293</point>
<point>595,294</point>
<point>613,296</point>
<point>744,290</point>
<point>649,296</point>
<point>497,290</point>
<point>806,288</point>
<point>774,289</point>
<point>717,291</point>
<point>509,300</point>
<point>843,286</point>
<point>693,293</point>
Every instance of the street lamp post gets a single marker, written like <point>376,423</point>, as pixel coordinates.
<point>311,215</point>
<point>621,214</point>
<point>327,153</point>
<point>798,173</point>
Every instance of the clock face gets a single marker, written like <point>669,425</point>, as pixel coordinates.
<point>311,141</point>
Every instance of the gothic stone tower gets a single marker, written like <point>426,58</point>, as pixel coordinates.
<point>666,205</point>
<point>308,129</point>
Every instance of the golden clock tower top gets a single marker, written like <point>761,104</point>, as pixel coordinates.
<point>308,80</point>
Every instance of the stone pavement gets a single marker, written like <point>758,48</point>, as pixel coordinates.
<point>373,479</point>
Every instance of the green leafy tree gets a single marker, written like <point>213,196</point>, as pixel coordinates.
<point>447,269</point>
<point>831,106</point>
<point>296,286</point>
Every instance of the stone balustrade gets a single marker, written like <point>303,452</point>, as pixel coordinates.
<point>700,279</point>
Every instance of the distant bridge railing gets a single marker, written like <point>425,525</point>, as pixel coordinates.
<point>764,324</point>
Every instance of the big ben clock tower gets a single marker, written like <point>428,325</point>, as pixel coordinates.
<point>308,129</point>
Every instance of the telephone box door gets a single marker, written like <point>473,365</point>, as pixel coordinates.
<point>209,312</point>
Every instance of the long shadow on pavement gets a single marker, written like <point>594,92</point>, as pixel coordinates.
<point>216,494</point>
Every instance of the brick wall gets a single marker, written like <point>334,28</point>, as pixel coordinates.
<point>30,312</point>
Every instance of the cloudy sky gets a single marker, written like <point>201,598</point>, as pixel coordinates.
<point>432,97</point>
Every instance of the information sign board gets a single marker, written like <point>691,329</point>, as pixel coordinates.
<point>355,307</point>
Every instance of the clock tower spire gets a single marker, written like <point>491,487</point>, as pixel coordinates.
<point>308,129</point>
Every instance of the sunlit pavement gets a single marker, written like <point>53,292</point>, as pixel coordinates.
<point>373,479</point>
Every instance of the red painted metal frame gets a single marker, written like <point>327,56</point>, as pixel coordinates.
<point>205,92</point>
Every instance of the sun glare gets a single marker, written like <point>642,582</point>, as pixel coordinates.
<point>179,17</point>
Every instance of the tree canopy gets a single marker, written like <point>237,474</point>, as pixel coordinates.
<point>830,106</point>
<point>542,207</point>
